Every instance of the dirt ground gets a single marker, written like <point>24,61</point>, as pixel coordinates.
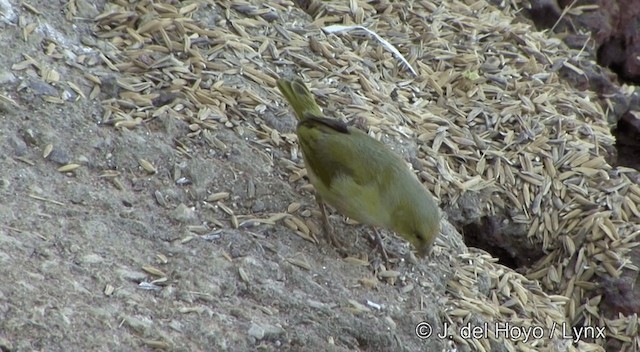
<point>74,247</point>
<point>165,237</point>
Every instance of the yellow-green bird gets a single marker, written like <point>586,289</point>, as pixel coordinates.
<point>359,175</point>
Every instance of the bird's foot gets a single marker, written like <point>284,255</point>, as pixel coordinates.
<point>328,229</point>
<point>377,240</point>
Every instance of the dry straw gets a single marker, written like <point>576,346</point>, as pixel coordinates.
<point>487,109</point>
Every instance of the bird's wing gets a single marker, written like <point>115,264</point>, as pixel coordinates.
<point>328,148</point>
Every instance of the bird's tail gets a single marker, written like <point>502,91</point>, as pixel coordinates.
<point>299,97</point>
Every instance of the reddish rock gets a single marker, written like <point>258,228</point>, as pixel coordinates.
<point>615,29</point>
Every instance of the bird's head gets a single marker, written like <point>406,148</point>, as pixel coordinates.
<point>419,226</point>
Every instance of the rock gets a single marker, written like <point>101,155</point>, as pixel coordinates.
<point>5,345</point>
<point>40,87</point>
<point>18,145</point>
<point>91,258</point>
<point>183,214</point>
<point>265,331</point>
<point>7,77</point>
<point>59,156</point>
<point>140,325</point>
<point>258,206</point>
<point>87,9</point>
<point>256,331</point>
<point>131,275</point>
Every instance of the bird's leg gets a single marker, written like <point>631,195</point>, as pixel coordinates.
<point>328,230</point>
<point>380,246</point>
